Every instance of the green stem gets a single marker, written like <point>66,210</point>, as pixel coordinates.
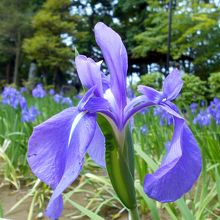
<point>134,214</point>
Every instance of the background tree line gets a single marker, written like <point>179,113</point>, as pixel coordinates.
<point>39,38</point>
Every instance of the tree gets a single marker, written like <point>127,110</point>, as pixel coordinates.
<point>51,46</point>
<point>15,16</point>
<point>195,34</point>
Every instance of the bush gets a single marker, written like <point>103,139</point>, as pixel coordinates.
<point>153,80</point>
<point>194,90</point>
<point>214,84</point>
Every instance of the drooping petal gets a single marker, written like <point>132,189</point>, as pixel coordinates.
<point>47,149</point>
<point>172,85</point>
<point>180,167</point>
<point>47,146</point>
<point>96,148</point>
<point>56,151</point>
<point>81,134</point>
<point>115,56</point>
<point>89,73</point>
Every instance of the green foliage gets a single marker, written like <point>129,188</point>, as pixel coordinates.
<point>194,34</point>
<point>53,26</point>
<point>194,90</point>
<point>153,80</point>
<point>214,84</point>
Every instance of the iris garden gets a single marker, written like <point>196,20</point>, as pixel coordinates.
<point>157,158</point>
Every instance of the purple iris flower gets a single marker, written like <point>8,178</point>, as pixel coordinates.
<point>51,91</point>
<point>57,147</point>
<point>144,129</point>
<point>57,98</point>
<point>203,118</point>
<point>165,117</point>
<point>193,107</point>
<point>29,115</point>
<point>214,110</point>
<point>23,103</point>
<point>38,91</point>
<point>67,101</point>
<point>10,96</point>
<point>23,89</point>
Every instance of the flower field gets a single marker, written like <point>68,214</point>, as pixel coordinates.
<point>21,110</point>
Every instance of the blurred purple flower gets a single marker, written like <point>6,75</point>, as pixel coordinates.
<point>193,107</point>
<point>67,101</point>
<point>203,118</point>
<point>51,91</point>
<point>165,117</point>
<point>78,96</point>
<point>10,96</point>
<point>23,103</point>
<point>29,115</point>
<point>144,129</point>
<point>38,91</point>
<point>57,98</point>
<point>202,103</point>
<point>214,110</point>
<point>23,89</point>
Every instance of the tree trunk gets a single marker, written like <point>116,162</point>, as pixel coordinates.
<point>17,58</point>
<point>32,71</point>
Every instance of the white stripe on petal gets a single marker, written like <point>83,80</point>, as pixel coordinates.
<point>74,124</point>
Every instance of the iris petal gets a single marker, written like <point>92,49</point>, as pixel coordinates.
<point>151,94</point>
<point>96,148</point>
<point>172,85</point>
<point>115,56</point>
<point>56,152</point>
<point>89,73</point>
<point>180,167</point>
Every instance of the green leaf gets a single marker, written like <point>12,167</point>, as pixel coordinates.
<point>185,211</point>
<point>150,203</point>
<point>118,164</point>
<point>153,165</point>
<point>84,210</point>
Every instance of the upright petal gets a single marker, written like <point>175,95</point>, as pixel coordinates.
<point>115,56</point>
<point>89,73</point>
<point>180,167</point>
<point>172,85</point>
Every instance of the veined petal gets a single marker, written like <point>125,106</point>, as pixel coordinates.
<point>81,134</point>
<point>89,73</point>
<point>56,151</point>
<point>47,150</point>
<point>172,85</point>
<point>115,56</point>
<point>47,146</point>
<point>96,148</point>
<point>180,167</point>
<point>151,94</point>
